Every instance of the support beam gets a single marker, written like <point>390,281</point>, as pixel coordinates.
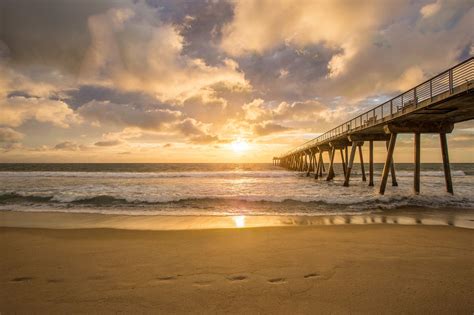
<point>343,162</point>
<point>332,153</point>
<point>308,168</point>
<point>446,166</point>
<point>340,143</point>
<point>388,163</point>
<point>349,165</point>
<point>321,162</point>
<point>416,182</point>
<point>316,173</point>
<point>392,170</point>
<point>419,127</point>
<point>346,149</point>
<point>310,157</point>
<point>362,167</point>
<point>371,163</point>
<point>369,137</point>
<point>323,167</point>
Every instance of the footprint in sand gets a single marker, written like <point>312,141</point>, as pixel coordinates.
<point>97,277</point>
<point>21,279</point>
<point>166,278</point>
<point>54,280</point>
<point>311,275</point>
<point>203,283</point>
<point>237,278</point>
<point>277,280</point>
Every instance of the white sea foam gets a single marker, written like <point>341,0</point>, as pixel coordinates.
<point>222,192</point>
<point>195,174</point>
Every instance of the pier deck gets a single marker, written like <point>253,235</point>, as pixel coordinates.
<point>433,106</point>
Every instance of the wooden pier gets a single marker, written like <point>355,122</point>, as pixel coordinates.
<point>434,106</point>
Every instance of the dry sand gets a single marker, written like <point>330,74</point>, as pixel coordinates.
<point>315,269</point>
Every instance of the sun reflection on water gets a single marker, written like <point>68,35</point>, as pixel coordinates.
<point>239,221</point>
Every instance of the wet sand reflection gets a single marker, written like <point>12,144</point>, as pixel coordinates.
<point>464,219</point>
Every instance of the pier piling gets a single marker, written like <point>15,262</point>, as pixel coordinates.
<point>433,106</point>
<point>349,165</point>
<point>416,182</point>
<point>446,166</point>
<point>362,168</point>
<point>388,163</point>
<point>371,163</point>
<point>331,164</point>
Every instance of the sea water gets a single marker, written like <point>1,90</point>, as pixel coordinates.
<point>222,189</point>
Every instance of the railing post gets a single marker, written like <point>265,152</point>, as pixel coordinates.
<point>415,99</point>
<point>431,90</point>
<point>450,74</point>
<point>391,109</point>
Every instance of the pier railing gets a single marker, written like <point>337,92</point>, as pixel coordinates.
<point>444,82</point>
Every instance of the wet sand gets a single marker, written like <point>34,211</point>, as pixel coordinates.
<point>382,268</point>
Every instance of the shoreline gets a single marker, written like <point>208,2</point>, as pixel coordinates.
<point>462,218</point>
<point>383,268</point>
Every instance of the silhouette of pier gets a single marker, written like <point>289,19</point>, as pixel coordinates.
<point>434,106</point>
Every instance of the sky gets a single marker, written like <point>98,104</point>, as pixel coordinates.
<point>214,81</point>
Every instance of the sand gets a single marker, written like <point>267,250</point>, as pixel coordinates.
<point>314,269</point>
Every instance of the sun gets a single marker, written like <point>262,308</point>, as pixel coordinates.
<point>240,145</point>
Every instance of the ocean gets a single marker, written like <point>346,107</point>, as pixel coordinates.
<point>221,190</point>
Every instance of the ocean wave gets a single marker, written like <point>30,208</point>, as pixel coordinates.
<point>194,174</point>
<point>256,174</point>
<point>241,202</point>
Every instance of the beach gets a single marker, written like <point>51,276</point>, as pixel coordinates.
<point>342,269</point>
<point>231,238</point>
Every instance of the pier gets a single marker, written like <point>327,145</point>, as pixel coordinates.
<point>432,107</point>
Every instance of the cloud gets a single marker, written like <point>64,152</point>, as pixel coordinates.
<point>69,146</point>
<point>267,128</point>
<point>255,109</point>
<point>258,110</point>
<point>359,45</point>
<point>299,110</point>
<point>108,143</point>
<point>148,118</point>
<point>9,135</point>
<point>430,9</point>
<point>264,24</point>
<point>131,48</point>
<point>196,131</point>
<point>16,110</point>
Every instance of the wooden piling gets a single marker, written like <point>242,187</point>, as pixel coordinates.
<point>349,165</point>
<point>416,182</point>
<point>446,166</point>
<point>343,162</point>
<point>323,167</point>
<point>371,163</point>
<point>308,167</point>
<point>316,173</point>
<point>388,162</point>
<point>362,167</point>
<point>346,149</point>
<point>392,169</point>
<point>331,164</point>
<point>309,164</point>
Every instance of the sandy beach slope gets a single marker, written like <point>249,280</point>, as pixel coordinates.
<point>314,269</point>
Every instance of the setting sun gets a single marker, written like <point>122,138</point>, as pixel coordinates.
<point>240,145</point>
